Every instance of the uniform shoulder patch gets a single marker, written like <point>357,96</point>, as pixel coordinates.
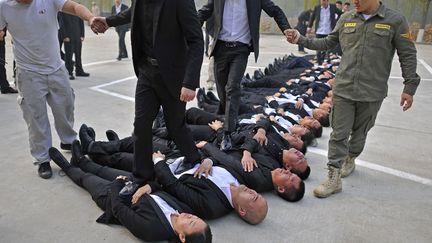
<point>350,24</point>
<point>383,26</point>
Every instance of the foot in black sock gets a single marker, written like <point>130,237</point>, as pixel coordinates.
<point>112,136</point>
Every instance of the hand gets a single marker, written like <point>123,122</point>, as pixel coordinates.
<point>299,104</point>
<point>187,94</point>
<point>67,39</point>
<point>98,25</point>
<point>406,101</point>
<point>293,36</point>
<point>158,155</point>
<point>309,92</point>
<point>122,177</point>
<point>140,192</point>
<point>248,162</point>
<point>206,167</point>
<point>272,118</point>
<point>309,30</point>
<point>2,34</point>
<point>201,144</point>
<point>82,39</point>
<point>282,90</point>
<point>260,137</point>
<point>216,125</point>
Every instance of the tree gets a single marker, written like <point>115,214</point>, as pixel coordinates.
<point>426,5</point>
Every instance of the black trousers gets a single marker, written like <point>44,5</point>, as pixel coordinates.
<point>122,45</point>
<point>321,54</point>
<point>73,48</point>
<point>3,78</point>
<point>230,65</point>
<point>151,93</point>
<point>95,179</point>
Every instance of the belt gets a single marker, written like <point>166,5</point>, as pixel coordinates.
<point>151,61</point>
<point>231,44</point>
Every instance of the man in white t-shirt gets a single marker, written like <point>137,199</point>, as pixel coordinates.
<point>41,74</point>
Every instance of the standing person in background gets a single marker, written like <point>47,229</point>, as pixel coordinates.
<point>41,74</point>
<point>95,9</point>
<point>339,5</point>
<point>302,24</point>
<point>5,87</point>
<point>346,7</point>
<point>121,29</point>
<point>209,39</point>
<point>369,37</point>
<point>325,17</point>
<point>72,33</point>
<point>236,33</point>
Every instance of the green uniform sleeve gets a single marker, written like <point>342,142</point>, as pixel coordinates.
<point>407,56</point>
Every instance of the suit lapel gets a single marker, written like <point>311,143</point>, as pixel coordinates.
<point>160,214</point>
<point>158,7</point>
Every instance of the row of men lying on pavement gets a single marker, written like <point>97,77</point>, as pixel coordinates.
<point>173,205</point>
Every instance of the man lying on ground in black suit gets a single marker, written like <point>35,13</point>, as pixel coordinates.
<point>148,214</point>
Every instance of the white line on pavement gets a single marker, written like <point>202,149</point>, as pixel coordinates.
<point>98,63</point>
<point>380,168</point>
<point>423,79</point>
<point>429,68</point>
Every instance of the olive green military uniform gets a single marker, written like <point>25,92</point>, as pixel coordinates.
<point>361,80</point>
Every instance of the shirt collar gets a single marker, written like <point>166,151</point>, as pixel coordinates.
<point>380,12</point>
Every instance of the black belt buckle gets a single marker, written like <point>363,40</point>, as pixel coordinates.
<point>152,61</point>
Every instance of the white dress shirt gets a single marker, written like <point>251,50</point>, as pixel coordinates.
<point>324,27</point>
<point>235,23</point>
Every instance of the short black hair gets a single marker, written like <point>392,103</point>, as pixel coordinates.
<point>303,175</point>
<point>292,194</point>
<point>308,137</point>
<point>339,2</point>
<point>325,121</point>
<point>317,132</point>
<point>303,149</point>
<point>347,3</point>
<point>204,236</point>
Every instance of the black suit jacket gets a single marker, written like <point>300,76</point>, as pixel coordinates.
<point>335,14</point>
<point>259,179</point>
<point>254,7</point>
<point>143,219</point>
<point>178,42</point>
<point>70,26</point>
<point>202,195</point>
<point>124,27</point>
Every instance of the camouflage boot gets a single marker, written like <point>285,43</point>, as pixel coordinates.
<point>333,184</point>
<point>348,166</point>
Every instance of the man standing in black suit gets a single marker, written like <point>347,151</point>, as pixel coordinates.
<point>236,33</point>
<point>72,33</point>
<point>121,29</point>
<point>326,16</point>
<point>167,53</point>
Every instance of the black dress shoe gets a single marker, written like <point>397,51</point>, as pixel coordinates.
<point>200,97</point>
<point>212,96</point>
<point>66,146</point>
<point>71,77</point>
<point>118,58</point>
<point>182,167</point>
<point>91,132</point>
<point>226,143</point>
<point>77,154</point>
<point>58,158</point>
<point>112,136</point>
<point>82,74</point>
<point>9,90</point>
<point>44,170</point>
<point>86,140</point>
